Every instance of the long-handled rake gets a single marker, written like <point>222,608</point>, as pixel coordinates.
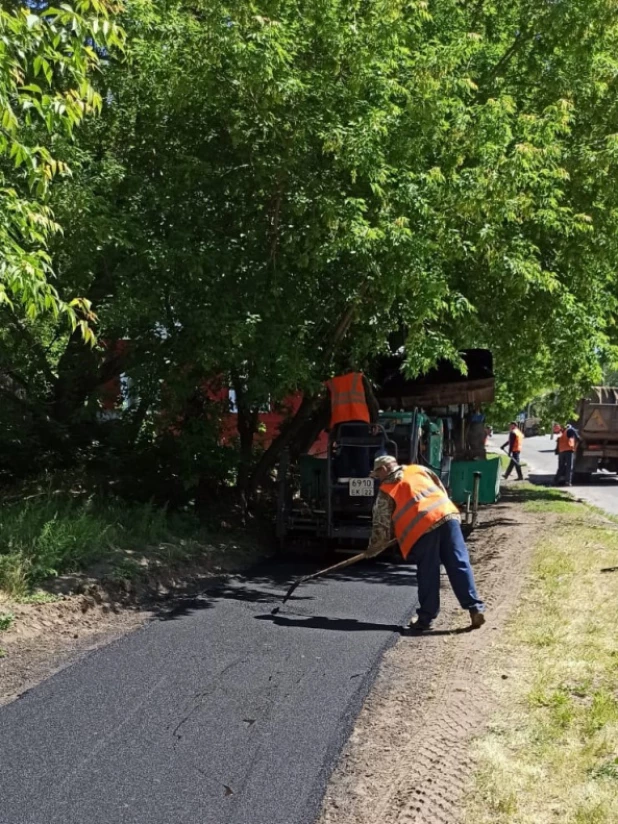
<point>334,568</point>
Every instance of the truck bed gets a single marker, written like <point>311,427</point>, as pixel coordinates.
<point>598,415</point>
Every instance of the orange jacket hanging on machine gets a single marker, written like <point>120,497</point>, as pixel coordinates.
<point>347,399</point>
<point>420,503</point>
<point>566,444</point>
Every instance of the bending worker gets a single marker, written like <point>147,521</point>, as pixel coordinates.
<point>413,506</point>
<point>514,443</point>
<point>566,445</point>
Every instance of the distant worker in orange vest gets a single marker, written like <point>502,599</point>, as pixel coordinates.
<point>514,443</point>
<point>413,506</point>
<point>566,447</point>
<point>351,399</point>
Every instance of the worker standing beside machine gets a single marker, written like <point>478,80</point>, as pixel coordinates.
<point>351,399</point>
<point>352,402</point>
<point>566,446</point>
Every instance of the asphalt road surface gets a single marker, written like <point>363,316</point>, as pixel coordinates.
<point>220,714</point>
<point>601,490</point>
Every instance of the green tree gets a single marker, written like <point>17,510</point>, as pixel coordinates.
<point>274,190</point>
<point>47,58</point>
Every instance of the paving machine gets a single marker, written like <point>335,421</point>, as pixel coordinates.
<point>331,496</point>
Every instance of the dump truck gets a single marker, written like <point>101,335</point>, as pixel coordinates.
<point>598,429</point>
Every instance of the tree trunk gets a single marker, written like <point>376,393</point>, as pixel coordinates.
<point>77,377</point>
<point>284,439</point>
<point>80,370</point>
<point>301,424</point>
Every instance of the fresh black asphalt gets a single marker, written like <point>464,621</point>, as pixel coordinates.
<point>218,714</point>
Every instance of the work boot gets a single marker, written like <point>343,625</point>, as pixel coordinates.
<point>420,626</point>
<point>477,619</point>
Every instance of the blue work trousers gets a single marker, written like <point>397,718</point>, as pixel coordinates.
<point>443,546</point>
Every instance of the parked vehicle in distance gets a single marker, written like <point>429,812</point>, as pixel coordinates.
<point>598,429</point>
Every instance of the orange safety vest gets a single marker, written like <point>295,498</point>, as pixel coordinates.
<point>566,444</point>
<point>518,440</point>
<point>347,399</point>
<point>420,503</point>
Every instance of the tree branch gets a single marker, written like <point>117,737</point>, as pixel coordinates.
<point>521,38</point>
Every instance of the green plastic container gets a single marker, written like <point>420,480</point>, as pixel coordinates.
<point>462,480</point>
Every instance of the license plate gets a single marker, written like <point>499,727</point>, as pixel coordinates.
<point>361,487</point>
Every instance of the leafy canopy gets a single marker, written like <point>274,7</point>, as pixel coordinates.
<point>47,58</point>
<point>278,190</point>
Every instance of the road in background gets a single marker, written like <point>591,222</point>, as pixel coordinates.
<point>601,490</point>
<point>220,714</point>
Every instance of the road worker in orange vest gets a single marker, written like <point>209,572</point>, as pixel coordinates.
<point>514,443</point>
<point>351,399</point>
<point>413,506</point>
<point>566,447</point>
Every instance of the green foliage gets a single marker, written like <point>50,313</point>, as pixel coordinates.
<point>56,534</point>
<point>276,192</point>
<point>39,597</point>
<point>47,58</point>
<point>6,620</point>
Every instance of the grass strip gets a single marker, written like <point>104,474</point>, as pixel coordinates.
<point>55,534</point>
<point>551,753</point>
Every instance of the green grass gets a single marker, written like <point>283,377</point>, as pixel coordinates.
<point>6,620</point>
<point>499,456</point>
<point>561,507</point>
<point>56,534</point>
<point>546,499</point>
<point>529,492</point>
<point>551,754</point>
<point>503,458</point>
<point>39,597</point>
